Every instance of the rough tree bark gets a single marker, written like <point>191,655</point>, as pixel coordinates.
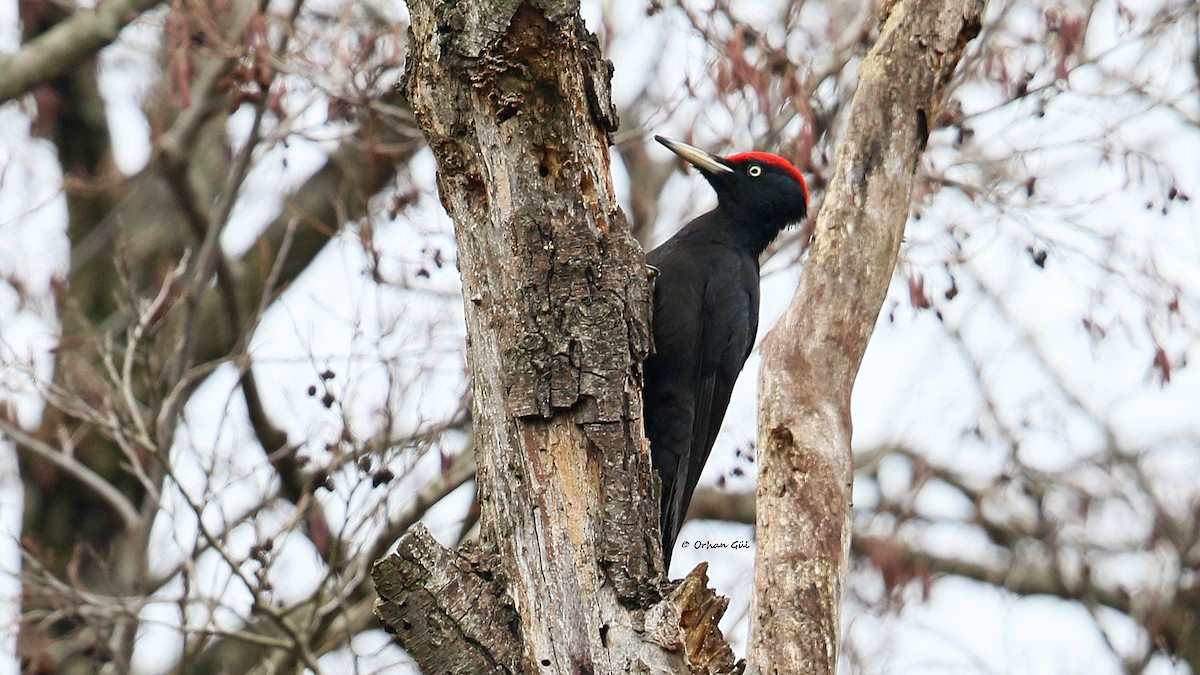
<point>812,356</point>
<point>514,99</point>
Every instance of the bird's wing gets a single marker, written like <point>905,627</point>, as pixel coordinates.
<point>672,377</point>
<point>731,307</point>
<point>705,317</point>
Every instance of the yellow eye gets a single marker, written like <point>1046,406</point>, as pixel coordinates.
<point>754,171</point>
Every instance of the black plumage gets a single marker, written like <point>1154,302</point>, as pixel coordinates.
<point>706,296</point>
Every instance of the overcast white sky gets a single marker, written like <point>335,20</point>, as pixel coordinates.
<point>916,386</point>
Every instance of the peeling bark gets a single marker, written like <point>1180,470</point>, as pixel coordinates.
<point>443,603</point>
<point>514,100</point>
<point>811,358</point>
<point>690,619</point>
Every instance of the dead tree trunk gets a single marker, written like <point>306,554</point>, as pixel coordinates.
<point>514,100</point>
<point>811,358</point>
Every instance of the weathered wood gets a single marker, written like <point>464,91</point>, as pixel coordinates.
<point>513,99</point>
<point>443,604</point>
<point>689,618</point>
<point>811,358</point>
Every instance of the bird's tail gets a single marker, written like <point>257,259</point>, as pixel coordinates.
<point>672,520</point>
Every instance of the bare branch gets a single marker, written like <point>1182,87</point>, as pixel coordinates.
<point>68,44</point>
<point>83,474</point>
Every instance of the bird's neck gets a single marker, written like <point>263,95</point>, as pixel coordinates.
<point>736,228</point>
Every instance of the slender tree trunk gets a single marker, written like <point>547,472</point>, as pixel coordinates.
<point>811,358</point>
<point>514,100</point>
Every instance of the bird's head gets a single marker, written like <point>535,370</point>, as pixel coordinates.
<point>757,187</point>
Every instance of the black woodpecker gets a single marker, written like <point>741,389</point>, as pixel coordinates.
<point>706,313</point>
